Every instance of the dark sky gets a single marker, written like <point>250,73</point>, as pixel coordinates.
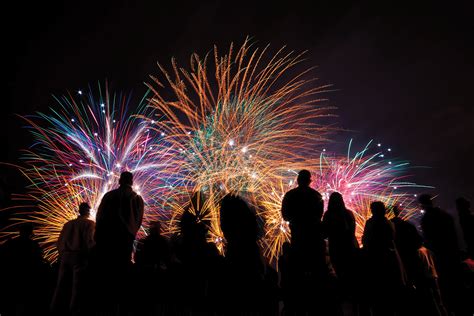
<point>403,74</point>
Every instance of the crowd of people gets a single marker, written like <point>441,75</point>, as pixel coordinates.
<point>102,270</point>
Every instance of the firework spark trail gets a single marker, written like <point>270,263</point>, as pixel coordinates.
<point>240,123</point>
<point>237,126</point>
<point>80,151</point>
<point>361,179</point>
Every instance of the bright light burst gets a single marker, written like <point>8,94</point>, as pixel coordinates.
<point>244,123</point>
<point>78,155</point>
<point>361,178</point>
<point>236,123</point>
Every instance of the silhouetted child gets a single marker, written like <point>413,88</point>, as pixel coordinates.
<point>154,252</point>
<point>153,260</point>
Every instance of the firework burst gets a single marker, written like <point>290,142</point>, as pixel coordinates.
<point>80,151</point>
<point>361,178</point>
<point>236,123</point>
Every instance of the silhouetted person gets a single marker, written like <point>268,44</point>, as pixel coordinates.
<point>153,260</point>
<point>466,219</point>
<point>440,237</point>
<point>309,272</point>
<point>386,277</point>
<point>407,241</point>
<point>244,266</point>
<point>424,277</point>
<point>200,259</point>
<point>118,219</point>
<point>25,273</point>
<point>339,227</point>
<point>302,207</point>
<point>154,251</point>
<point>74,245</point>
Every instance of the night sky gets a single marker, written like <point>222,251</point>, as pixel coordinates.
<point>402,75</point>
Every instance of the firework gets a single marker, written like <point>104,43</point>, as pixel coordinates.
<point>361,178</point>
<point>236,123</point>
<point>80,151</point>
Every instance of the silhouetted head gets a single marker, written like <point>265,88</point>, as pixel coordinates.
<point>238,222</point>
<point>192,228</point>
<point>26,230</point>
<point>396,210</point>
<point>304,178</point>
<point>426,200</point>
<point>84,209</point>
<point>462,204</point>
<point>336,202</point>
<point>155,228</point>
<point>378,209</point>
<point>126,178</point>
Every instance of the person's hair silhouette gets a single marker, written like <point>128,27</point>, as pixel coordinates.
<point>336,202</point>
<point>339,227</point>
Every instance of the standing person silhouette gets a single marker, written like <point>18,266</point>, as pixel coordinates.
<point>118,219</point>
<point>244,268</point>
<point>302,207</point>
<point>407,241</point>
<point>440,237</point>
<point>385,275</point>
<point>339,227</point>
<point>74,245</point>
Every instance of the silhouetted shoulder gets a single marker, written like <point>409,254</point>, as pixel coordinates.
<point>292,192</point>
<point>108,195</point>
<point>316,193</point>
